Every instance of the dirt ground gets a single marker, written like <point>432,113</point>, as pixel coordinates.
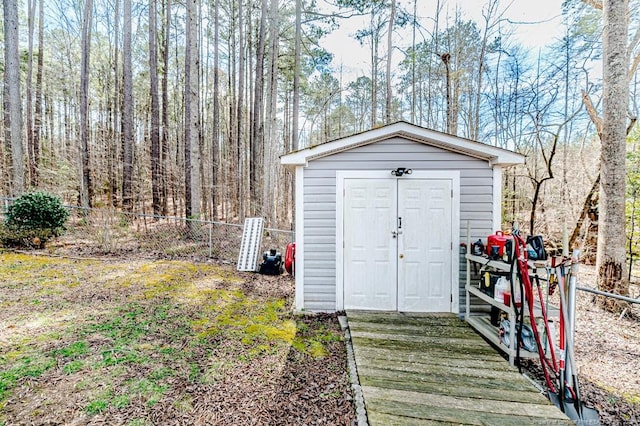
<point>607,355</point>
<point>144,342</point>
<point>87,342</point>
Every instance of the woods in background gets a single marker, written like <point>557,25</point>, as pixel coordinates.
<point>183,108</point>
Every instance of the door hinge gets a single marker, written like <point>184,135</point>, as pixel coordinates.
<point>452,193</point>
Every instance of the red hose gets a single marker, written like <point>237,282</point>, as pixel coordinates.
<point>528,289</point>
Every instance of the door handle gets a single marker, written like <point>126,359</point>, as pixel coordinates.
<point>394,234</point>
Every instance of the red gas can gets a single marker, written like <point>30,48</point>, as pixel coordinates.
<point>497,240</point>
<point>290,258</point>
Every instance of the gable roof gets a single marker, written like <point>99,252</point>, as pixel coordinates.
<point>494,155</point>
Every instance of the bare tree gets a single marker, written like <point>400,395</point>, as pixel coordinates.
<point>192,113</point>
<point>165,103</point>
<point>215,151</point>
<point>31,11</point>
<point>127,110</point>
<point>12,101</point>
<point>296,78</point>
<point>611,258</point>
<point>86,190</point>
<point>155,112</point>
<point>239,113</point>
<point>389,56</point>
<point>37,123</point>
<point>269,168</point>
<point>257,126</point>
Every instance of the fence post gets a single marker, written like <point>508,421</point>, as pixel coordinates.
<point>210,240</point>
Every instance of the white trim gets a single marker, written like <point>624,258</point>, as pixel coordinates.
<point>497,198</point>
<point>453,175</point>
<point>495,155</point>
<point>455,239</point>
<point>299,201</point>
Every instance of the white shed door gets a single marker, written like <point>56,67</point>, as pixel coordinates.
<point>397,244</point>
<point>424,245</point>
<point>369,250</point>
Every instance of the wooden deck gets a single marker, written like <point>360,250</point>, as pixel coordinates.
<point>423,370</point>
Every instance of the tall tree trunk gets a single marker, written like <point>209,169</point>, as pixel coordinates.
<point>611,257</point>
<point>488,15</point>
<point>127,111</point>
<point>37,131</point>
<point>155,112</point>
<point>86,190</point>
<point>257,127</point>
<point>116,148</point>
<point>446,59</point>
<point>192,113</point>
<point>215,146</point>
<point>13,101</point>
<point>31,11</point>
<point>413,62</point>
<point>165,105</point>
<point>374,70</point>
<point>239,114</point>
<point>232,159</point>
<point>296,79</point>
<point>389,55</point>
<point>270,169</point>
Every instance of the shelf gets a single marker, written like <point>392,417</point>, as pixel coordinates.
<point>553,311</point>
<point>485,261</point>
<point>490,300</point>
<point>482,325</point>
<point>502,265</point>
<point>481,322</point>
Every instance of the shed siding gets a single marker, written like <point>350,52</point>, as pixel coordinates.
<point>476,204</point>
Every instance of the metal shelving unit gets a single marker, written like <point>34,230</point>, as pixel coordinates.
<point>481,323</point>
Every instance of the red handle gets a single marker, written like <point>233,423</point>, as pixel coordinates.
<point>499,233</point>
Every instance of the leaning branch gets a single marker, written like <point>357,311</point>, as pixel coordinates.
<point>634,67</point>
<point>597,4</point>
<point>632,123</point>
<point>593,114</point>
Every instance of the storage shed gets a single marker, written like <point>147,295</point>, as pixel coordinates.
<point>380,216</point>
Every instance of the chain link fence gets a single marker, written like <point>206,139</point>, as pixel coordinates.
<point>110,232</point>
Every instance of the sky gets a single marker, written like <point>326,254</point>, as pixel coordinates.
<point>537,23</point>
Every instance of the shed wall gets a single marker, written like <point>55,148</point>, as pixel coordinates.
<point>476,205</point>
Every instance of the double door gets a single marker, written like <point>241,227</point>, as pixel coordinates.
<point>397,244</point>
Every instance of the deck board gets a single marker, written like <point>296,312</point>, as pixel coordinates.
<point>434,369</point>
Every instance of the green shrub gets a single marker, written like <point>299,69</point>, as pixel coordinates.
<point>34,218</point>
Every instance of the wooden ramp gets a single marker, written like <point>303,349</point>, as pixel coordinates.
<point>423,370</point>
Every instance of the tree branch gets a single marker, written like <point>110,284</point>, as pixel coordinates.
<point>634,67</point>
<point>597,4</point>
<point>632,123</point>
<point>593,114</point>
<point>634,41</point>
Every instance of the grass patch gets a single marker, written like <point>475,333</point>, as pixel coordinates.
<point>72,367</point>
<point>74,350</point>
<point>143,331</point>
<point>31,366</point>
